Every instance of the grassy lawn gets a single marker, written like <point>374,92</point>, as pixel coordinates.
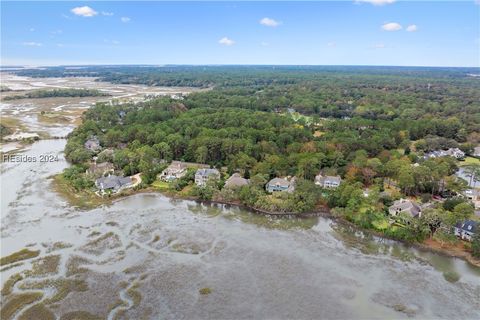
<point>381,224</point>
<point>187,191</point>
<point>85,199</point>
<point>161,185</point>
<point>469,160</point>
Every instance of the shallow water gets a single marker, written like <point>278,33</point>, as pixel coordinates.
<point>165,250</point>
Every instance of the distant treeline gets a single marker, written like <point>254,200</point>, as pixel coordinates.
<point>58,93</point>
<point>383,93</point>
<point>228,76</point>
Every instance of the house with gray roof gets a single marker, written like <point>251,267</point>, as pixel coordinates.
<point>281,184</point>
<point>202,176</point>
<point>405,206</point>
<point>112,183</point>
<point>92,144</point>
<point>466,230</point>
<point>329,182</point>
<point>236,181</point>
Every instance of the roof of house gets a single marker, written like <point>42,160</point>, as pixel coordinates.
<point>332,179</point>
<point>177,165</point>
<point>409,206</point>
<point>92,143</point>
<point>207,172</point>
<point>103,166</point>
<point>113,182</point>
<point>468,225</point>
<point>279,182</point>
<point>236,180</point>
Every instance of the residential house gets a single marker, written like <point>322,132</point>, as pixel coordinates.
<point>474,196</point>
<point>99,169</point>
<point>112,183</point>
<point>329,182</point>
<point>202,176</point>
<point>452,152</point>
<point>281,184</point>
<point>175,170</point>
<point>92,144</point>
<point>466,230</point>
<point>405,206</point>
<point>236,181</point>
<point>456,153</point>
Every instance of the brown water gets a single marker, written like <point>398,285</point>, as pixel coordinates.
<point>148,256</point>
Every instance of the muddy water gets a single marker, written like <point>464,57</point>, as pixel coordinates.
<point>56,117</point>
<point>147,256</point>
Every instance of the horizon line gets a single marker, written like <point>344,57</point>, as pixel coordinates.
<point>226,65</point>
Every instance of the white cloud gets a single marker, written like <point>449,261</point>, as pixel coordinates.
<point>331,44</point>
<point>57,31</point>
<point>84,11</point>
<point>269,22</point>
<point>412,28</point>
<point>226,41</point>
<point>376,2</point>
<point>125,19</point>
<point>391,26</point>
<point>105,13</point>
<point>32,44</point>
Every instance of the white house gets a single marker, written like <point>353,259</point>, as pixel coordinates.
<point>202,176</point>
<point>330,182</point>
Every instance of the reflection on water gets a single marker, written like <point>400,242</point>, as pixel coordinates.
<point>147,256</point>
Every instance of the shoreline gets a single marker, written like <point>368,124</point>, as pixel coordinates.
<point>428,245</point>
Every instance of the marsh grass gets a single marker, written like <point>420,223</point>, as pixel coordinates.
<point>135,295</point>
<point>37,312</point>
<point>17,302</point>
<point>62,287</point>
<point>23,254</point>
<point>205,291</point>
<point>44,266</point>
<point>10,283</point>
<point>79,315</point>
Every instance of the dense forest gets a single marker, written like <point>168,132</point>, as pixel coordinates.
<point>371,129</point>
<point>54,93</point>
<point>384,93</point>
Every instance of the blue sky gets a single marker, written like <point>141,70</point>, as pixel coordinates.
<point>357,32</point>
